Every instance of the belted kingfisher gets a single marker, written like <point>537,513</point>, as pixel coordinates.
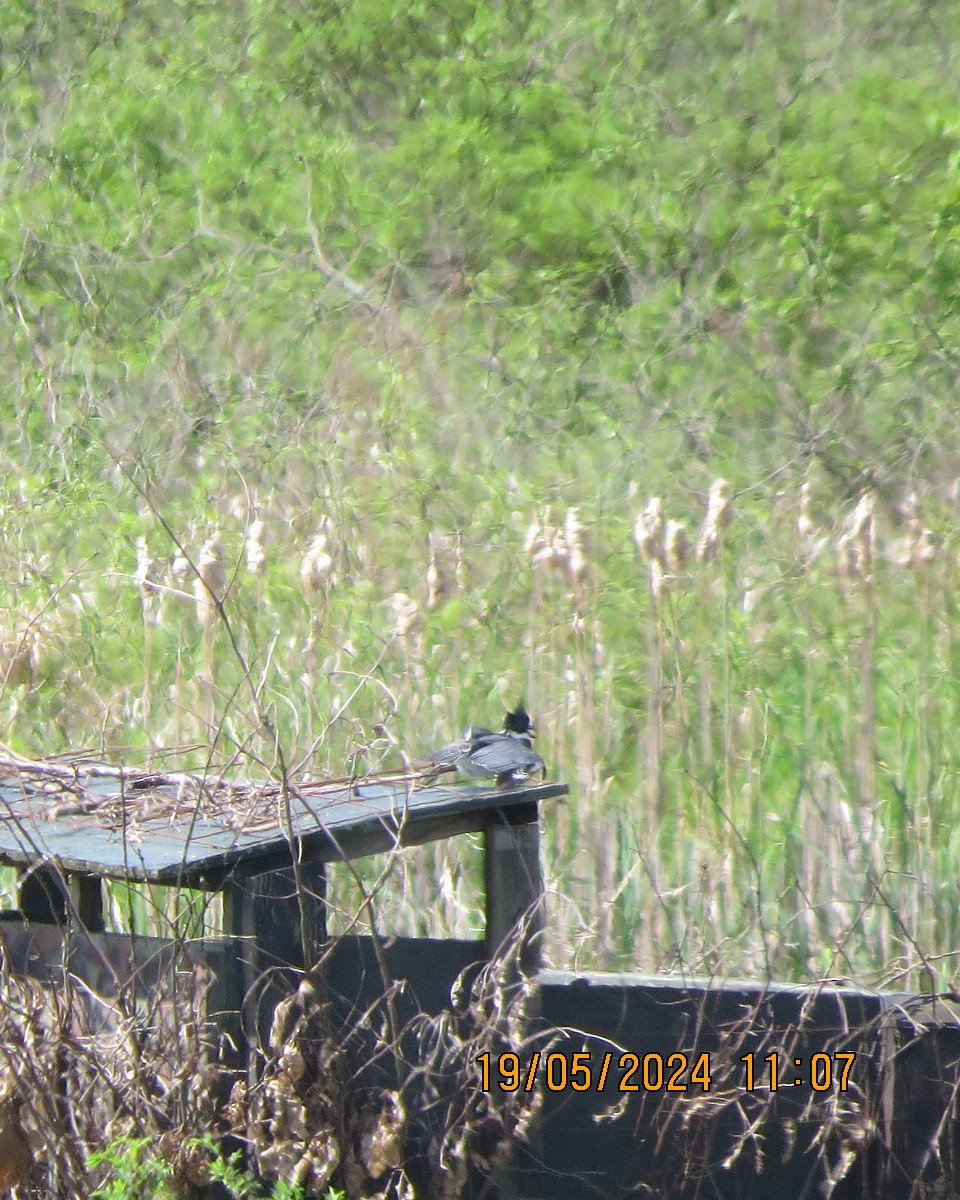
<point>508,756</point>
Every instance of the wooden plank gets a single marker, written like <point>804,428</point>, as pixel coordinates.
<point>107,962</point>
<point>114,964</point>
<point>920,1041</point>
<point>203,853</point>
<point>647,1142</point>
<point>225,1012</point>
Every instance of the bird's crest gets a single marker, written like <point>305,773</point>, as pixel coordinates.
<point>518,721</point>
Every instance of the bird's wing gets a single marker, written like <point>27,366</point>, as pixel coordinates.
<point>504,756</point>
<point>477,733</point>
<point>447,757</point>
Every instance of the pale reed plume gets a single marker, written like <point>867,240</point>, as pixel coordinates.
<point>713,598</point>
<point>439,574</point>
<point>925,548</point>
<point>146,575</point>
<point>649,535</point>
<point>209,589</point>
<point>863,536</point>
<point>316,569</point>
<point>181,574</point>
<point>806,527</point>
<point>717,521</point>
<point>648,531</point>
<point>576,545</point>
<point>846,557</point>
<point>405,613</point>
<point>533,538</point>
<point>659,579</point>
<point>558,550</point>
<point>254,554</point>
<point>180,570</point>
<point>918,548</point>
<point>576,549</point>
<point>811,538</point>
<point>317,580</point>
<point>856,552</point>
<point>676,546</point>
<point>210,584</point>
<point>547,547</point>
<point>147,583</point>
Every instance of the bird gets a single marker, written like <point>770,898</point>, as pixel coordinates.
<point>507,756</point>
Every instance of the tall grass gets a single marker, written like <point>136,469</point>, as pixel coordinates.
<point>390,394</point>
<point>757,739</point>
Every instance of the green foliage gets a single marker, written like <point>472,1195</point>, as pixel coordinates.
<point>424,270</point>
<point>136,1172</point>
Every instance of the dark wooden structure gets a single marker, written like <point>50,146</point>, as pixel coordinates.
<point>893,1133</point>
<point>69,828</point>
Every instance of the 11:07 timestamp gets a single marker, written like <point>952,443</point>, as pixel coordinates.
<point>820,1072</point>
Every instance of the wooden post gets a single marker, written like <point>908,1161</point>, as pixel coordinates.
<point>515,903</point>
<point>43,895</point>
<point>514,884</point>
<point>48,897</point>
<point>265,912</point>
<point>225,1012</point>
<point>86,894</point>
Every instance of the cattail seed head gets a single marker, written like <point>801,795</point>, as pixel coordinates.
<point>846,557</point>
<point>918,548</point>
<point>658,579</point>
<point>533,539</point>
<point>862,534</point>
<point>861,522</point>
<point>648,531</point>
<point>676,546</point>
<point>558,550</point>
<point>146,569</point>
<point>211,583</point>
<point>553,556</point>
<point>718,518</point>
<point>147,582</point>
<point>180,570</point>
<point>751,594</point>
<point>806,527</point>
<point>573,532</point>
<point>439,587</point>
<point>924,548</point>
<point>406,614</point>
<point>720,504</point>
<point>549,551</point>
<point>856,545</point>
<point>255,556</point>
<point>316,569</point>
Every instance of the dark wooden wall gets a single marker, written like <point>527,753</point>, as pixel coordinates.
<point>892,1136</point>
<point>891,1129</point>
